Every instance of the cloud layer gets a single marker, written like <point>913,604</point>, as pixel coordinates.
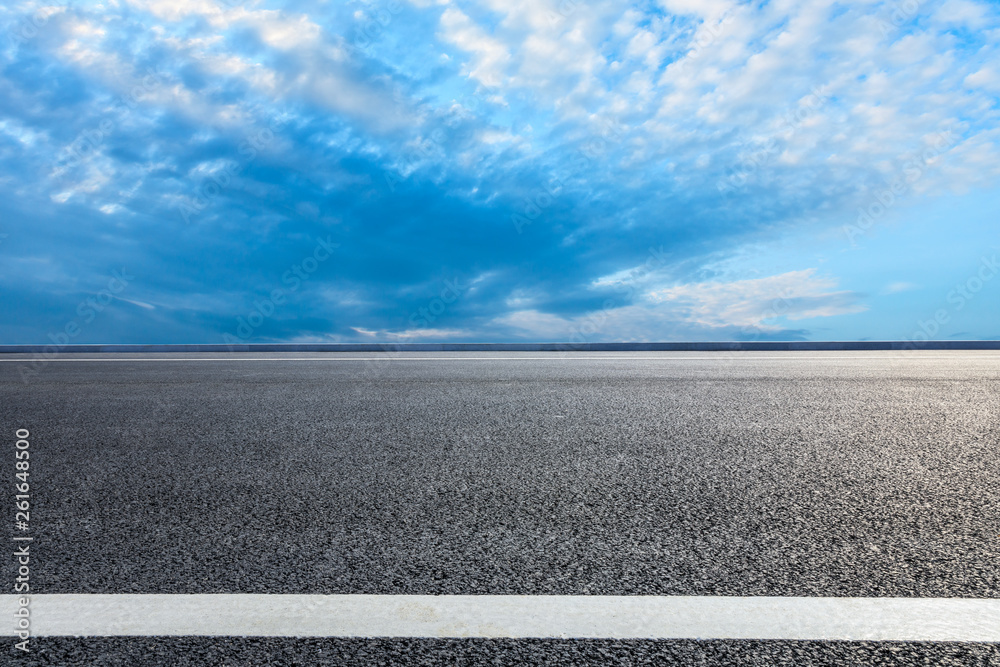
<point>487,171</point>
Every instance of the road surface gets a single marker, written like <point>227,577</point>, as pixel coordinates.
<point>738,475</point>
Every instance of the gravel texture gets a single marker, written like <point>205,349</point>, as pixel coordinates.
<point>845,474</point>
<point>258,652</point>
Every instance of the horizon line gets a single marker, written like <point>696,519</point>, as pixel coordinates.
<point>674,346</point>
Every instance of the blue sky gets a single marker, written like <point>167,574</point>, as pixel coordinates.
<point>180,171</point>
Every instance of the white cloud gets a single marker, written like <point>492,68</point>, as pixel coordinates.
<point>539,325</point>
<point>897,287</point>
<point>693,311</point>
<point>987,77</point>
<point>315,68</point>
<point>721,77</point>
<point>491,55</point>
<point>794,295</point>
<point>714,78</point>
<point>412,335</point>
<point>972,15</point>
<point>704,9</point>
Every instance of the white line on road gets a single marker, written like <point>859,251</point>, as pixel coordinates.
<point>721,356</point>
<point>515,616</point>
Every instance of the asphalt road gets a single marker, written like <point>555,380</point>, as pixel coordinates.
<point>788,474</point>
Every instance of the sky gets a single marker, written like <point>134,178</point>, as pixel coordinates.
<point>398,171</point>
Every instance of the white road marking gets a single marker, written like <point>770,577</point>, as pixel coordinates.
<point>516,616</point>
<point>728,356</point>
